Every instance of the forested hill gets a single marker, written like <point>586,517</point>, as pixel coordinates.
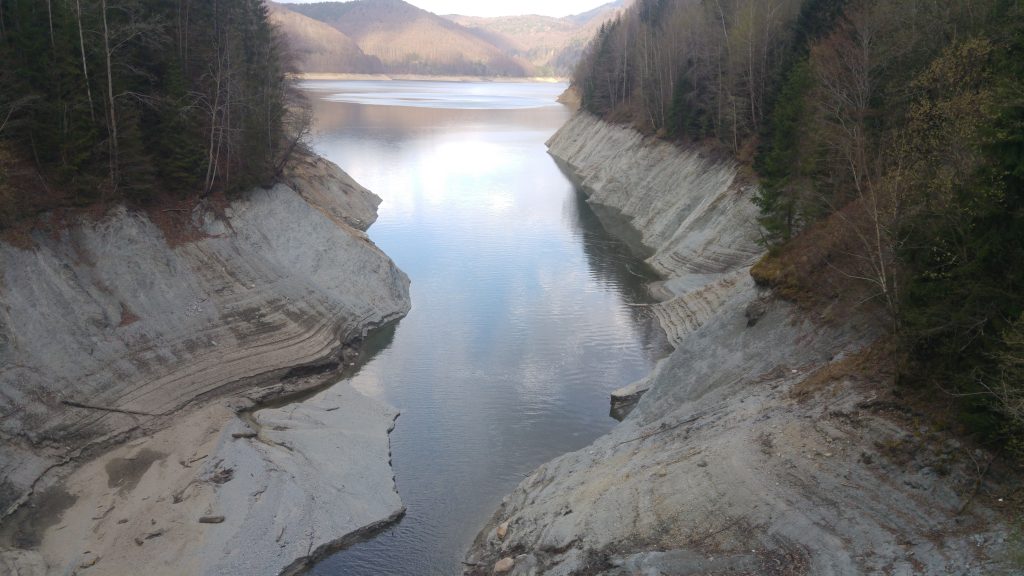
<point>395,37</point>
<point>319,47</point>
<point>551,45</point>
<point>408,40</point>
<point>888,137</point>
<point>136,99</point>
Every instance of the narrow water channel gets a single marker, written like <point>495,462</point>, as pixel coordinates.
<point>524,311</point>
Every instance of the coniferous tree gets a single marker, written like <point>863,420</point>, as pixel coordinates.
<point>136,99</point>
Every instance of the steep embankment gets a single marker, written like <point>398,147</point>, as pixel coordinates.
<point>109,333</point>
<point>687,211</point>
<point>757,449</point>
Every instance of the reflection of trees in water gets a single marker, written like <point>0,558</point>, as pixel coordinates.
<point>615,264</point>
<point>386,122</point>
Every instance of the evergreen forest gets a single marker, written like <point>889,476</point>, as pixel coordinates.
<point>887,137</point>
<point>888,141</point>
<point>138,100</point>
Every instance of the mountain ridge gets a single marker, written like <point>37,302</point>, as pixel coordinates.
<point>409,40</point>
<point>395,37</point>
<point>319,47</point>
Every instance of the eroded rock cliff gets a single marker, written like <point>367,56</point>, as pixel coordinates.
<point>109,332</point>
<point>760,447</point>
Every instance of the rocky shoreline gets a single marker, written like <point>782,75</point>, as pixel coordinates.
<point>762,444</point>
<point>134,369</point>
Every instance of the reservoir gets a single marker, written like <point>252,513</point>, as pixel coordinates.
<point>526,313</point>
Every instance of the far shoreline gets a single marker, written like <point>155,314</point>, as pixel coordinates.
<point>423,77</point>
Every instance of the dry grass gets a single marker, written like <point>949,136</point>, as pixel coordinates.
<point>777,271</point>
<point>31,203</point>
<point>822,270</point>
<point>174,219</point>
<point>31,206</point>
<point>18,235</point>
<point>173,214</point>
<point>876,362</point>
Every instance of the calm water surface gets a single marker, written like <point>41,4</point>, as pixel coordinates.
<point>522,319</point>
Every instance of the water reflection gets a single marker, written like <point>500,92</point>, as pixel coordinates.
<point>439,95</point>
<point>524,316</point>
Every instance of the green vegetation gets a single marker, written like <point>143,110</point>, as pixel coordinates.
<point>889,138</point>
<point>109,100</point>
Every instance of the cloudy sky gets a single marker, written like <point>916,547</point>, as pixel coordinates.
<point>499,7</point>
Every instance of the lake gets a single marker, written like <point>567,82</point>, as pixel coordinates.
<point>526,313</point>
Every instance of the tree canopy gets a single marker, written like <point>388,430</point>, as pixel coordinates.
<point>135,99</point>
<point>888,136</point>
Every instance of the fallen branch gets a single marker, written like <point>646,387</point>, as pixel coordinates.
<point>661,430</point>
<point>102,409</point>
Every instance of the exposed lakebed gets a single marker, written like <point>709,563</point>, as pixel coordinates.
<point>524,315</point>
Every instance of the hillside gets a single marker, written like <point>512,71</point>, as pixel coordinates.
<point>861,386</point>
<point>317,47</point>
<point>771,441</point>
<point>389,36</point>
<point>552,45</point>
<point>887,141</point>
<point>406,39</point>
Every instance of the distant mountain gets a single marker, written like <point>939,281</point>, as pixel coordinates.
<point>404,38</point>
<point>601,13</point>
<point>392,36</point>
<point>318,47</point>
<point>551,45</point>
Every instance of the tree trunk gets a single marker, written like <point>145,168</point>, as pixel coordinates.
<point>212,150</point>
<point>85,67</point>
<point>49,15</point>
<point>112,125</point>
<point>625,58</point>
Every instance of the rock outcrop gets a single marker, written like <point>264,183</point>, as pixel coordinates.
<point>760,447</point>
<point>690,214</point>
<point>691,211</point>
<point>322,473</point>
<point>110,331</point>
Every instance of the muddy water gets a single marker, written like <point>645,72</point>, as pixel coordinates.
<point>525,311</point>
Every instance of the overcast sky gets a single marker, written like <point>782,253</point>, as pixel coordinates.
<point>498,7</point>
